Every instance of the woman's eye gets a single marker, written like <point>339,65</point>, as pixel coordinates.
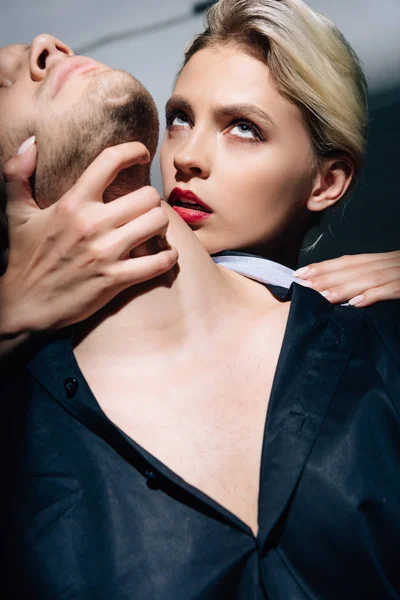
<point>181,120</point>
<point>178,120</point>
<point>245,131</point>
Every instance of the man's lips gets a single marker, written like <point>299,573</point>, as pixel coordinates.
<point>188,205</point>
<point>68,66</point>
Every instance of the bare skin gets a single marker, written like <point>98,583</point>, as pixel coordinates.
<point>208,425</point>
<point>199,407</point>
<point>37,296</point>
<point>180,328</point>
<point>363,279</point>
<point>180,325</point>
<point>75,248</point>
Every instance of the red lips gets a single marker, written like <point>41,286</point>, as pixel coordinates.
<point>189,206</point>
<point>178,195</point>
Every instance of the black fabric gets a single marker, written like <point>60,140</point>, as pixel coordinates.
<point>89,514</point>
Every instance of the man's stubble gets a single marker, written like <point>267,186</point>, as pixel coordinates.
<point>115,109</point>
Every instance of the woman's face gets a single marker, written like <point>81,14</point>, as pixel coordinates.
<point>236,145</point>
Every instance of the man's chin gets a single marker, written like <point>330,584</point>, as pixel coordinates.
<point>114,86</point>
<point>116,109</point>
<point>116,100</point>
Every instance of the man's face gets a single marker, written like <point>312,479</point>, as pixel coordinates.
<point>74,106</point>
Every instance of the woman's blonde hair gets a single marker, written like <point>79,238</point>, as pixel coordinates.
<point>311,64</point>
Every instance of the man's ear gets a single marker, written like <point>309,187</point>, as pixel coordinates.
<point>331,183</point>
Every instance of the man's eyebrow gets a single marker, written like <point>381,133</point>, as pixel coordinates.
<point>243,110</point>
<point>23,48</point>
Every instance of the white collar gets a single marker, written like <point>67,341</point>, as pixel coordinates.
<point>257,268</point>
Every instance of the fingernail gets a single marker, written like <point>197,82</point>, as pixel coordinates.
<point>326,294</point>
<point>306,283</point>
<point>356,300</point>
<point>26,145</point>
<point>302,272</point>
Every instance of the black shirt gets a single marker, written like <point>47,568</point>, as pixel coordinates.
<point>94,516</point>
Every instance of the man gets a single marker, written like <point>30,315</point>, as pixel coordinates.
<point>137,464</point>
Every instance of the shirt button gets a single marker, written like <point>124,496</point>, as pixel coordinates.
<point>71,386</point>
<point>152,480</point>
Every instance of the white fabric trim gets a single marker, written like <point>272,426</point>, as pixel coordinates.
<point>259,269</point>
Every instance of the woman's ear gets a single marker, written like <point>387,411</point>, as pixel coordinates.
<point>331,183</point>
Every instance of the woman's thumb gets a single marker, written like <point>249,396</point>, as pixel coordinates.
<point>17,172</point>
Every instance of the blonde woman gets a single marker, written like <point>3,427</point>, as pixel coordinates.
<point>193,366</point>
<point>312,66</point>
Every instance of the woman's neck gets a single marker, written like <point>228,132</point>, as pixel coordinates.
<point>178,308</point>
<point>285,249</point>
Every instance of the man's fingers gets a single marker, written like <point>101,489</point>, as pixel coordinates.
<point>17,172</point>
<point>105,168</point>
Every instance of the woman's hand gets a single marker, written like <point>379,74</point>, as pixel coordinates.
<point>68,260</point>
<point>362,279</point>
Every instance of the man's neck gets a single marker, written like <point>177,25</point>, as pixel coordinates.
<point>194,301</point>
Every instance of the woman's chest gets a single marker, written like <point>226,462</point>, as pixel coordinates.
<point>204,419</point>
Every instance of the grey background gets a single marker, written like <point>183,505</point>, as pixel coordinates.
<point>147,38</point>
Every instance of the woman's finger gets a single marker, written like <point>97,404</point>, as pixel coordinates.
<point>390,291</point>
<point>360,285</point>
<point>143,268</point>
<point>105,168</point>
<point>344,262</point>
<point>119,242</point>
<point>127,208</point>
<point>373,272</point>
<point>17,172</point>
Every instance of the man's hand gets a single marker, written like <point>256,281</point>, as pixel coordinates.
<point>68,260</point>
<point>362,279</point>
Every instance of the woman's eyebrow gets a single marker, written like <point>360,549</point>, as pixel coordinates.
<point>231,110</point>
<point>245,110</point>
<point>177,102</point>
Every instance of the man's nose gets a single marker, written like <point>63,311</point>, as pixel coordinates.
<point>45,51</point>
<point>192,158</point>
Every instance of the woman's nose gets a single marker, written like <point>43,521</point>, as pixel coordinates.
<point>45,51</point>
<point>192,159</point>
